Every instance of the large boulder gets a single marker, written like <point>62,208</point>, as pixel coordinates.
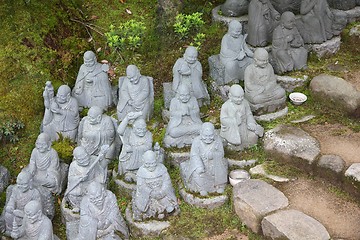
<point>293,225</point>
<point>342,4</point>
<point>292,145</point>
<point>254,199</point>
<point>336,93</point>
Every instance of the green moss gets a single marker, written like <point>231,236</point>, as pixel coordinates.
<point>64,148</point>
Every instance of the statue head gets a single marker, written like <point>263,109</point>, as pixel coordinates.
<point>81,157</point>
<point>23,181</point>
<point>207,132</point>
<point>89,58</point>
<point>236,94</point>
<point>50,89</point>
<point>191,54</point>
<point>33,211</point>
<point>149,159</point>
<point>43,143</point>
<point>261,57</point>
<point>95,115</point>
<point>96,193</point>
<point>139,127</point>
<point>288,20</point>
<point>183,93</point>
<point>64,94</point>
<point>235,29</point>
<point>133,74</point>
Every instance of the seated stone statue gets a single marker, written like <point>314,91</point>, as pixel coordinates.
<point>263,18</point>
<point>92,87</point>
<point>288,46</point>
<point>100,217</point>
<point>262,91</point>
<point>83,170</point>
<point>35,225</point>
<point>206,171</point>
<point>17,197</point>
<point>136,93</point>
<point>185,122</point>
<point>45,166</point>
<point>188,71</point>
<point>95,130</point>
<point>154,196</point>
<point>235,54</point>
<point>136,141</point>
<point>62,116</point>
<point>316,22</point>
<point>238,126</point>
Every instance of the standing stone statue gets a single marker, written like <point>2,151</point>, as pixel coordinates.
<point>136,93</point>
<point>136,141</point>
<point>235,55</point>
<point>95,130</point>
<point>316,21</point>
<point>63,114</point>
<point>238,126</point>
<point>92,87</point>
<point>288,46</point>
<point>45,166</point>
<point>188,70</point>
<point>154,196</point>
<point>263,18</point>
<point>100,217</point>
<point>17,197</point>
<point>83,170</point>
<point>234,8</point>
<point>206,171</point>
<point>262,91</point>
<point>49,98</point>
<point>35,225</point>
<point>185,122</point>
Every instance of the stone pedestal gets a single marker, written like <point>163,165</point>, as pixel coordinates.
<point>70,220</point>
<point>210,202</point>
<point>123,186</point>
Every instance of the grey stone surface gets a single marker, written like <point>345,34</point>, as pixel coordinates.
<point>168,94</point>
<point>353,172</point>
<point>216,17</point>
<point>260,170</point>
<point>342,4</point>
<point>353,14</point>
<point>290,83</point>
<point>340,21</point>
<point>329,47</point>
<point>176,158</point>
<point>241,163</point>
<point>293,225</point>
<point>234,8</point>
<point>292,144</point>
<point>272,116</point>
<point>286,5</point>
<point>220,91</point>
<point>332,162</point>
<point>336,93</point>
<point>254,199</point>
<point>208,203</point>
<point>124,187</point>
<point>4,178</point>
<point>355,31</point>
<point>217,69</point>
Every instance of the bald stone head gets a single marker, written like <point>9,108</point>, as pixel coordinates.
<point>149,159</point>
<point>261,57</point>
<point>63,94</point>
<point>191,54</point>
<point>139,127</point>
<point>133,73</point>
<point>23,181</point>
<point>288,20</point>
<point>96,193</point>
<point>33,211</point>
<point>81,156</point>
<point>235,28</point>
<point>95,115</point>
<point>207,132</point>
<point>89,58</point>
<point>43,143</point>
<point>236,94</point>
<point>184,93</point>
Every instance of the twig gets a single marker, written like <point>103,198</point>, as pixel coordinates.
<point>87,25</point>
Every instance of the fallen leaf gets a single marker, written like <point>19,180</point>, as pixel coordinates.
<point>104,61</point>
<point>98,50</point>
<point>122,1</point>
<point>89,39</point>
<point>93,17</point>
<point>128,11</point>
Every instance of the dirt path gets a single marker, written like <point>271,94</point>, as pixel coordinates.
<point>315,198</point>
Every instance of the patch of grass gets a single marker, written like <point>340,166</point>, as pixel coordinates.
<point>279,169</point>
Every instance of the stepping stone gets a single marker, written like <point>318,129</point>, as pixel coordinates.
<point>293,225</point>
<point>254,199</point>
<point>353,172</point>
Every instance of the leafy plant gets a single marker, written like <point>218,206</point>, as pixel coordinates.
<point>64,147</point>
<point>9,130</point>
<point>198,40</point>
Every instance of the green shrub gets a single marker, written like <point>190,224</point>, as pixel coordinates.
<point>64,148</point>
<point>9,130</point>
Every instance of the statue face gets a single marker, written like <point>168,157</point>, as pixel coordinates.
<point>191,57</point>
<point>184,97</point>
<point>261,62</point>
<point>207,136</point>
<point>22,186</point>
<point>236,98</point>
<point>42,146</point>
<point>82,159</point>
<point>289,23</point>
<point>97,196</point>
<point>94,118</point>
<point>140,131</point>
<point>62,97</point>
<point>150,164</point>
<point>235,32</point>
<point>33,214</point>
<point>133,77</point>
<point>89,62</point>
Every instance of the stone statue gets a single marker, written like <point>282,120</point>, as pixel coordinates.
<point>136,93</point>
<point>83,170</point>
<point>62,116</point>
<point>92,87</point>
<point>188,70</point>
<point>288,46</point>
<point>49,98</point>
<point>35,225</point>
<point>262,91</point>
<point>100,217</point>
<point>136,141</point>
<point>316,21</point>
<point>44,165</point>
<point>95,130</point>
<point>235,54</point>
<point>154,196</point>
<point>238,126</point>
<point>263,18</point>
<point>206,171</point>
<point>17,198</point>
<point>234,8</point>
<point>185,122</point>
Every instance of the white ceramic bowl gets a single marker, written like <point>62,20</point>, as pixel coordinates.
<point>237,176</point>
<point>297,98</point>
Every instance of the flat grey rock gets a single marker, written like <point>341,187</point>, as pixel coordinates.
<point>290,83</point>
<point>259,170</point>
<point>342,4</point>
<point>123,186</point>
<point>272,116</point>
<point>241,163</point>
<point>336,93</point>
<point>178,157</point>
<point>330,47</point>
<point>293,225</point>
<point>4,178</point>
<point>333,162</point>
<point>216,17</point>
<point>353,171</point>
<point>254,199</point>
<point>209,202</point>
<point>292,144</point>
